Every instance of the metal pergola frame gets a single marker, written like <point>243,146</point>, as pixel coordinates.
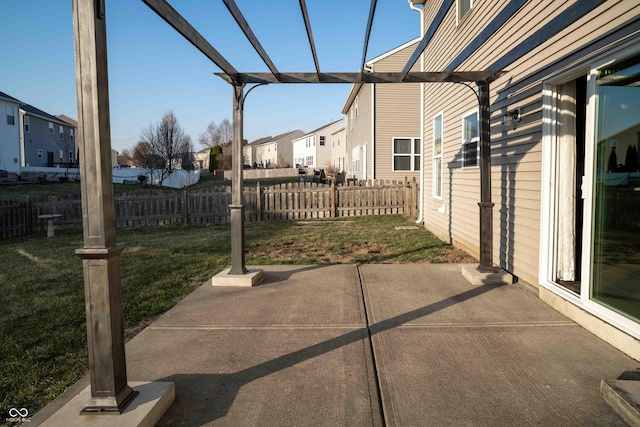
<point>110,392</point>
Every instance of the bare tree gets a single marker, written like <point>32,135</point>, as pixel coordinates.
<point>216,134</point>
<point>225,131</point>
<point>167,143</point>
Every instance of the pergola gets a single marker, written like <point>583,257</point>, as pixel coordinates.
<point>110,392</point>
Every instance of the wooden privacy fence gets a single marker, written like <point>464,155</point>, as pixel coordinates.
<point>278,202</point>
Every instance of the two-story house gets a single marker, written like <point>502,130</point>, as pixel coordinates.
<point>277,151</point>
<point>339,149</point>
<point>9,134</point>
<point>45,140</point>
<point>249,151</point>
<point>314,148</point>
<point>382,122</point>
<point>564,140</point>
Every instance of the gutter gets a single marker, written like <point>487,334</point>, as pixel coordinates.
<point>422,153</point>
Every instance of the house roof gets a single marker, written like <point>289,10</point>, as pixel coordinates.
<point>68,119</point>
<point>356,87</point>
<point>259,140</point>
<point>319,129</point>
<point>33,111</point>
<point>9,98</point>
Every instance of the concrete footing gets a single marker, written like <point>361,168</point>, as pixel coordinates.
<point>251,278</point>
<point>146,409</point>
<point>477,278</point>
<point>624,397</point>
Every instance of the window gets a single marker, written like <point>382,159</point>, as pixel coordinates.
<point>309,160</point>
<point>70,134</point>
<point>355,159</point>
<point>39,154</point>
<point>356,105</point>
<point>50,127</point>
<point>322,141</point>
<point>60,154</point>
<point>61,132</point>
<point>437,156</point>
<point>470,138</point>
<point>406,154</point>
<point>71,156</point>
<point>11,115</point>
<point>27,126</point>
<point>463,7</point>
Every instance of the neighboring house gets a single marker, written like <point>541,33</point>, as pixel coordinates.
<point>567,100</point>
<point>383,122</point>
<point>339,149</point>
<point>45,140</point>
<point>249,150</point>
<point>277,150</point>
<point>9,133</point>
<point>314,148</point>
<point>202,158</point>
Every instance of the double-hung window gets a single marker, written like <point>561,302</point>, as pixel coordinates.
<point>27,124</point>
<point>11,115</point>
<point>61,132</point>
<point>462,8</point>
<point>355,159</point>
<point>406,154</point>
<point>437,156</point>
<point>71,134</point>
<point>470,139</point>
<point>50,128</point>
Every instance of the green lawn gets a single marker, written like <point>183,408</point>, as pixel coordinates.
<point>42,323</point>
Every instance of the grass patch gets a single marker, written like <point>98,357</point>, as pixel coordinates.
<point>42,324</point>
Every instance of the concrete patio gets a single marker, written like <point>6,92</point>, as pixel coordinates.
<point>396,345</point>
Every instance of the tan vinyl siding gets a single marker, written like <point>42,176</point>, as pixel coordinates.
<point>516,153</point>
<point>397,114</point>
<point>360,133</point>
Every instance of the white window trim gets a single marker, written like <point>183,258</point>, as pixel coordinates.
<point>472,140</point>
<point>548,206</point>
<point>458,17</point>
<point>27,124</point>
<point>51,128</point>
<point>12,115</point>
<point>436,156</point>
<point>413,153</point>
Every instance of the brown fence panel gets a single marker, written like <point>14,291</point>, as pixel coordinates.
<point>13,219</point>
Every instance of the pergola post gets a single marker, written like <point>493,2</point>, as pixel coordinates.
<point>486,206</point>
<point>237,185</point>
<point>100,255</point>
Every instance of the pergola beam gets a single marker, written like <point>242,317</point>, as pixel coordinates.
<point>173,18</point>
<point>372,11</point>
<point>307,24</point>
<point>246,29</point>
<point>351,78</point>
<point>428,35</point>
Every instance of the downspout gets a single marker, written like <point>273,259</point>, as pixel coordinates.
<point>422,153</point>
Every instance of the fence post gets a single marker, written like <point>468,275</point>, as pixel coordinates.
<point>333,199</point>
<point>259,201</point>
<point>28,214</point>
<point>185,207</point>
<point>414,197</point>
<point>407,205</point>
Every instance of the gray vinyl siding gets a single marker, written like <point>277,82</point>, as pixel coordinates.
<point>516,153</point>
<point>39,137</point>
<point>397,114</point>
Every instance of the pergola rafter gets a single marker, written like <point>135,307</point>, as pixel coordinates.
<point>246,29</point>
<point>307,24</point>
<point>367,34</point>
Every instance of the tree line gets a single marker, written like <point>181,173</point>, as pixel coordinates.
<point>164,146</point>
